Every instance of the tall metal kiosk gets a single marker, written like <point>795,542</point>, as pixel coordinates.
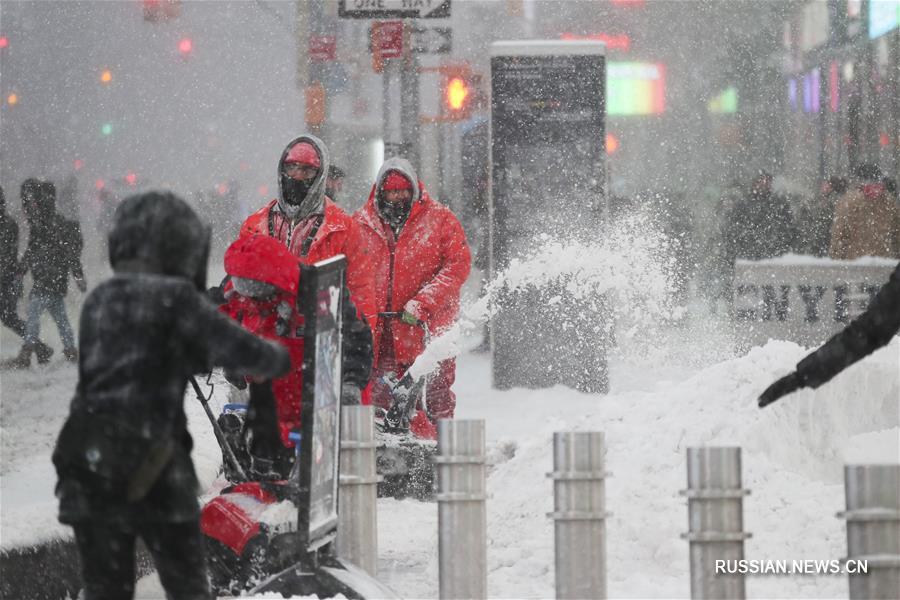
<point>548,183</point>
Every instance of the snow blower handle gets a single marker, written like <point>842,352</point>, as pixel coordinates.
<point>220,436</point>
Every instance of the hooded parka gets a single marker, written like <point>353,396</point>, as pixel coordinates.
<point>420,270</point>
<point>316,229</point>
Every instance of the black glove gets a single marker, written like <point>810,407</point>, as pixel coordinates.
<point>397,416</point>
<point>782,387</point>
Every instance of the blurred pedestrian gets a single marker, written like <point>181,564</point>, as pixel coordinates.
<point>10,276</point>
<point>53,252</point>
<point>123,457</point>
<point>818,217</point>
<point>334,184</point>
<point>871,330</point>
<point>866,219</point>
<point>760,225</point>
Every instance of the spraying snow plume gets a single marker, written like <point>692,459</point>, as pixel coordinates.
<point>629,272</point>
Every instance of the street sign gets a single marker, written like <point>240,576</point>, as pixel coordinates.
<point>394,9</point>
<point>387,39</point>
<point>432,40</point>
<point>322,48</point>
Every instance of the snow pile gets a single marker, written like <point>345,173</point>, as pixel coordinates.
<point>793,453</point>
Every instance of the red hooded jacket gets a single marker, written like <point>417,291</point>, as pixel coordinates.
<point>420,271</point>
<point>261,258</point>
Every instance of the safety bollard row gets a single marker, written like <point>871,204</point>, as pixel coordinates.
<point>714,495</point>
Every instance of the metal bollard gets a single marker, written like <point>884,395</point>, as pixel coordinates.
<point>873,529</point>
<point>462,521</point>
<point>579,516</point>
<point>715,521</point>
<point>357,538</point>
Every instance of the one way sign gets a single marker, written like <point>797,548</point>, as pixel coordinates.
<point>432,40</point>
<point>394,9</point>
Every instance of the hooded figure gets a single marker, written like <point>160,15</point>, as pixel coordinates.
<point>866,219</point>
<point>10,278</point>
<point>417,253</point>
<point>313,228</point>
<point>53,252</point>
<point>123,456</point>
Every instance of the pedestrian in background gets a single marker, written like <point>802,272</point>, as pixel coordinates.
<point>866,219</point>
<point>53,252</point>
<point>10,278</point>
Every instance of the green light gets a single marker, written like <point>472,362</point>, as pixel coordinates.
<point>106,129</point>
<point>725,103</point>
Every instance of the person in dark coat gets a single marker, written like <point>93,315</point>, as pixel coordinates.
<point>10,281</point>
<point>53,251</point>
<point>760,225</point>
<point>123,456</point>
<point>871,330</point>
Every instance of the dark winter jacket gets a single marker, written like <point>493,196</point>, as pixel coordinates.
<point>759,226</point>
<point>868,332</point>
<point>9,253</point>
<point>142,334</point>
<point>54,246</point>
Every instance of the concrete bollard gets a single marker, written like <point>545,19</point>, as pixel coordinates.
<point>873,529</point>
<point>715,521</point>
<point>579,516</point>
<point>357,538</point>
<point>462,521</point>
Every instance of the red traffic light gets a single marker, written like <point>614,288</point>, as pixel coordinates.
<point>457,91</point>
<point>131,179</point>
<point>185,46</point>
<point>4,42</point>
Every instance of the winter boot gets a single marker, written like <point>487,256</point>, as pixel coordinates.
<point>71,354</point>
<point>23,360</point>
<point>43,352</point>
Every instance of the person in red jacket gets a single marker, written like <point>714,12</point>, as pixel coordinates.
<point>262,298</point>
<point>313,228</point>
<point>417,252</point>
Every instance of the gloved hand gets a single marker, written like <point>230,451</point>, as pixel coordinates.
<point>409,318</point>
<point>397,416</point>
<point>787,384</point>
<point>238,381</point>
<point>81,282</point>
<point>350,395</point>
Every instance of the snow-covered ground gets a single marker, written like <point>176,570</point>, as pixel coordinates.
<point>682,391</point>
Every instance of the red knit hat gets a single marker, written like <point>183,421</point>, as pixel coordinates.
<point>304,154</point>
<point>396,180</point>
<point>263,258</point>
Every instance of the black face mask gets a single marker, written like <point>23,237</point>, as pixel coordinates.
<point>394,213</point>
<point>296,190</point>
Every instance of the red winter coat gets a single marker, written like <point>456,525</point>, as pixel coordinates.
<point>421,271</point>
<point>336,235</point>
<point>261,259</point>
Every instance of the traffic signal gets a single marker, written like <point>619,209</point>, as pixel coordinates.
<point>105,76</point>
<point>12,99</point>
<point>4,41</point>
<point>457,92</point>
<point>106,128</point>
